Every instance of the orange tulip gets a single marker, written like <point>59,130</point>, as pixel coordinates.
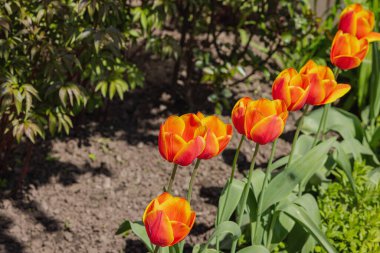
<point>263,120</point>
<point>217,137</point>
<point>359,22</point>
<point>347,51</point>
<point>168,220</point>
<point>323,87</point>
<point>181,139</point>
<point>292,88</point>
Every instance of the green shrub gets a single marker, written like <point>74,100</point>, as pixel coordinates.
<point>59,57</point>
<point>352,226</point>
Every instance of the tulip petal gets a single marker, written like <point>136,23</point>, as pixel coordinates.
<point>346,62</point>
<point>267,130</point>
<point>214,124</point>
<point>339,91</point>
<point>192,122</point>
<point>153,205</point>
<point>223,142</point>
<point>177,209</point>
<point>212,146</point>
<point>298,98</point>
<point>253,115</point>
<point>173,143</point>
<point>373,36</point>
<point>363,27</point>
<point>162,144</point>
<point>238,114</point>
<point>190,151</point>
<point>307,67</point>
<point>164,197</point>
<point>174,124</point>
<point>317,91</point>
<point>348,22</point>
<point>159,228</point>
<point>180,231</point>
<point>280,90</point>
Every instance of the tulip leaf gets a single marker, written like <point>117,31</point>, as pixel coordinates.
<point>363,81</point>
<point>138,229</point>
<point>226,227</point>
<point>229,200</point>
<point>300,169</point>
<point>341,121</point>
<point>302,217</point>
<point>255,249</point>
<point>375,83</point>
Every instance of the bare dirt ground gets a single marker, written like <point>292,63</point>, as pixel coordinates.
<point>81,187</point>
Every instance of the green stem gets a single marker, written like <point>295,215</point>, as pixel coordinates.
<point>232,176</point>
<point>156,249</point>
<point>245,194</point>
<point>316,138</point>
<point>325,120</point>
<point>192,180</point>
<point>271,228</point>
<point>296,135</point>
<point>262,193</point>
<point>172,176</point>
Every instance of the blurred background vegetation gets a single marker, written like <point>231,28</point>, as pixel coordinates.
<point>62,58</point>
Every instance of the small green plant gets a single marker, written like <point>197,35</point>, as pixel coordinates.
<point>349,225</point>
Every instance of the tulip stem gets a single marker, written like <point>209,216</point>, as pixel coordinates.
<point>324,115</point>
<point>172,176</point>
<point>296,135</point>
<point>192,180</point>
<point>268,172</point>
<point>156,249</point>
<point>232,176</point>
<point>245,194</point>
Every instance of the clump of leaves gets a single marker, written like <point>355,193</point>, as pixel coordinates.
<point>352,226</point>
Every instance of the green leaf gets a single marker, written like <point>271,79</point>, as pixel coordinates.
<point>138,229</point>
<point>254,249</point>
<point>226,227</point>
<point>341,121</point>
<point>300,169</point>
<point>375,83</point>
<point>229,203</point>
<point>363,82</point>
<point>301,216</point>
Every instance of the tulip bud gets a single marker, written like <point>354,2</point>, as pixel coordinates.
<point>347,51</point>
<point>359,22</point>
<point>323,87</point>
<point>168,220</point>
<point>292,88</point>
<point>217,137</point>
<point>181,139</point>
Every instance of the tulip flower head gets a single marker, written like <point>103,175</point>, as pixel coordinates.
<point>181,139</point>
<point>359,22</point>
<point>217,137</point>
<point>347,51</point>
<point>168,220</point>
<point>262,120</point>
<point>292,88</point>
<point>323,87</point>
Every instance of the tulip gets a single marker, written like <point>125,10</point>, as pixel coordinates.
<point>217,137</point>
<point>181,139</point>
<point>263,120</point>
<point>323,87</point>
<point>292,88</point>
<point>347,51</point>
<point>168,220</point>
<point>359,22</point>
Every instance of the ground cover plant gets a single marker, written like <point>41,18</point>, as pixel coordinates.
<point>271,211</point>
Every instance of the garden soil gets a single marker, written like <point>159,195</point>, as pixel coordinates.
<point>81,187</point>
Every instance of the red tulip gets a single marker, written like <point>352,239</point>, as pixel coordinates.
<point>181,139</point>
<point>217,137</point>
<point>359,22</point>
<point>168,220</point>
<point>292,88</point>
<point>238,114</point>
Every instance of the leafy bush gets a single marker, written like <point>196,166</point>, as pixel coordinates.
<point>58,58</point>
<point>352,226</point>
